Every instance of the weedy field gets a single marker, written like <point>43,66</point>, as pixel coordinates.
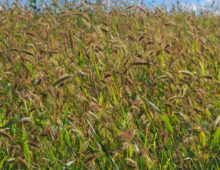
<point>128,88</point>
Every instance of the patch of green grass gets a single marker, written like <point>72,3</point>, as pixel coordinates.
<point>131,88</point>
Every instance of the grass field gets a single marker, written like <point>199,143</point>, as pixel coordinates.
<point>125,89</point>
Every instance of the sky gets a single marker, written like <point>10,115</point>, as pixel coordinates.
<point>187,4</point>
<point>194,5</point>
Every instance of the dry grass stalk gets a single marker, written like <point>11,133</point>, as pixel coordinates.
<point>90,158</point>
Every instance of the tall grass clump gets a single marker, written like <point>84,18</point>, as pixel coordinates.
<point>85,87</point>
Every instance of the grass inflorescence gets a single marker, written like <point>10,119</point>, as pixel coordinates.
<point>94,89</point>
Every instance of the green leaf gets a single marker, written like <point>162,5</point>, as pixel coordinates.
<point>202,138</point>
<point>167,124</point>
<point>2,161</point>
<point>96,68</point>
<point>115,99</point>
<point>26,148</point>
<point>67,138</point>
<point>215,138</point>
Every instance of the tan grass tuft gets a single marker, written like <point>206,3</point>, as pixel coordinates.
<point>61,79</point>
<point>128,135</point>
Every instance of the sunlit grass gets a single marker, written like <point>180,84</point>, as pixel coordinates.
<point>123,89</point>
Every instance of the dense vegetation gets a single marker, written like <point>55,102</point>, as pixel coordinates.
<point>95,89</point>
